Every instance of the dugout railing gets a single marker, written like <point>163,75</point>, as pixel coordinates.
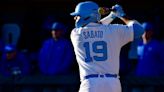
<point>72,81</point>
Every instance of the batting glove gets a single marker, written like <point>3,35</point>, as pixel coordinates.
<point>118,11</point>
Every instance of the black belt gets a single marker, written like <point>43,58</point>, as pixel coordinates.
<point>100,75</point>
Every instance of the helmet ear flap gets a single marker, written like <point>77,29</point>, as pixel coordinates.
<point>94,17</point>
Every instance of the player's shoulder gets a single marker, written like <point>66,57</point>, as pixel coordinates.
<point>115,26</point>
<point>75,30</point>
<point>93,24</point>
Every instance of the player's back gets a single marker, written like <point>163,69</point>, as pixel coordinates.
<point>97,48</point>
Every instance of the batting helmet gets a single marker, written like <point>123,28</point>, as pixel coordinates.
<point>88,12</point>
<point>148,26</point>
<point>9,48</point>
<point>58,26</point>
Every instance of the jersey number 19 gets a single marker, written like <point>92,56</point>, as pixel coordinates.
<point>98,47</point>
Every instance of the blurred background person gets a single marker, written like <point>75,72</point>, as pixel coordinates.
<point>13,62</point>
<point>56,54</point>
<point>150,53</point>
<point>150,56</point>
<point>14,65</point>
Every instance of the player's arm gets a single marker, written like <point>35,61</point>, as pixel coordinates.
<point>108,19</point>
<point>137,27</point>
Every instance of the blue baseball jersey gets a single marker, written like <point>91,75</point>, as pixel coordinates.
<point>97,47</point>
<point>55,57</point>
<point>150,59</point>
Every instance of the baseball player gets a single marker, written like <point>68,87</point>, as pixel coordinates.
<point>97,46</point>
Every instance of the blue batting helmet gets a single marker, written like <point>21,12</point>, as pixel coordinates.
<point>88,12</point>
<point>148,26</point>
<point>9,48</point>
<point>58,26</point>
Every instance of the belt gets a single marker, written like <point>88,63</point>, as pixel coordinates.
<point>100,75</point>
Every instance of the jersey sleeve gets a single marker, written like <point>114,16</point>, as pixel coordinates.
<point>72,35</point>
<point>125,33</point>
<point>75,35</point>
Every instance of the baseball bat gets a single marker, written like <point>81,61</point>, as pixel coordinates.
<point>105,10</point>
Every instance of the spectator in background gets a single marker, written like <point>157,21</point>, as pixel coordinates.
<point>150,56</point>
<point>13,64</point>
<point>56,54</point>
<point>150,53</point>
